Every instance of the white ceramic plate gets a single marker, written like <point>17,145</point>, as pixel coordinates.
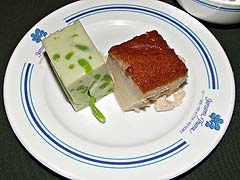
<point>143,146</point>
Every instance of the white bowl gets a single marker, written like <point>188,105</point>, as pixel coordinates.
<point>214,11</point>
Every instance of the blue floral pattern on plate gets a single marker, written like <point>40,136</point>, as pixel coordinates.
<point>215,122</point>
<point>38,35</point>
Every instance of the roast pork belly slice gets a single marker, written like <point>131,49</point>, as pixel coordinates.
<point>143,69</point>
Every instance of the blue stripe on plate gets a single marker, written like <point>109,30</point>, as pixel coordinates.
<point>120,163</point>
<point>212,6</point>
<point>202,49</point>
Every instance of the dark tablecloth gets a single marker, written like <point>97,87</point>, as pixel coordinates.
<point>17,17</point>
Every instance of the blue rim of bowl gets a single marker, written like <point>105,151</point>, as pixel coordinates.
<point>219,7</point>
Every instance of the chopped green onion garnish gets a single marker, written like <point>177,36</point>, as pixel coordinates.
<point>95,110</point>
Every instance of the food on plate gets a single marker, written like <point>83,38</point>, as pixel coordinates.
<point>164,104</point>
<point>144,69</point>
<point>78,66</point>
